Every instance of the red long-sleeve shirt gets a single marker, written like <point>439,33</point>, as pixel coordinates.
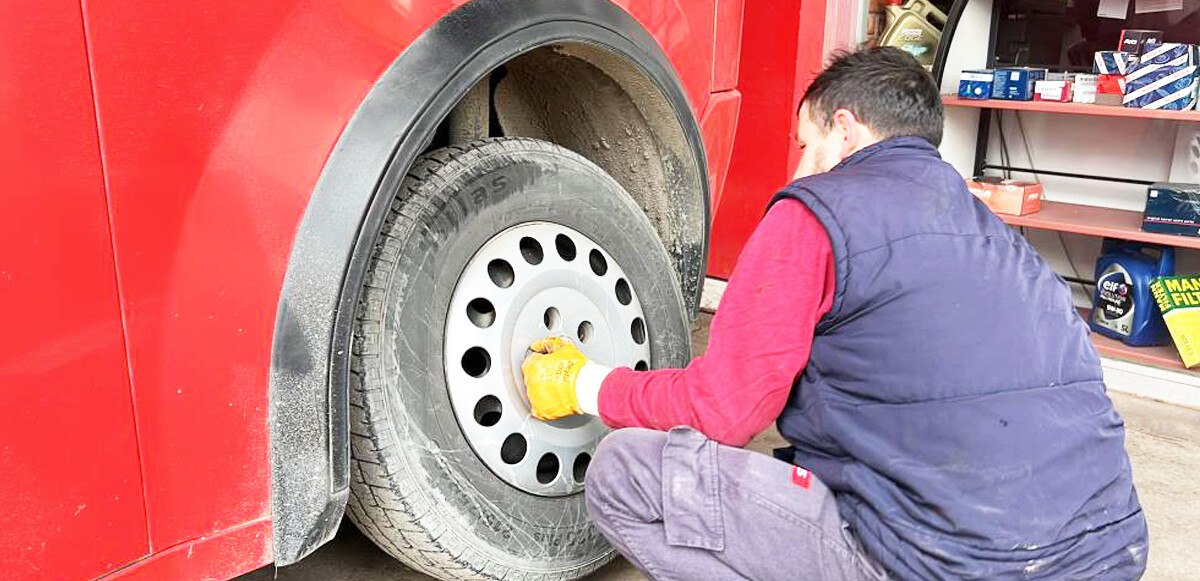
<point>759,341</point>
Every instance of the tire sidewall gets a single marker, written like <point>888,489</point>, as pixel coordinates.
<point>473,199</point>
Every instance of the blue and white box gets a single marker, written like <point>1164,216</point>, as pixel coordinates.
<point>975,84</point>
<point>1016,84</point>
<point>1113,62</point>
<point>1166,77</point>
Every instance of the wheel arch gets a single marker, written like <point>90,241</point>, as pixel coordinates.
<point>396,122</point>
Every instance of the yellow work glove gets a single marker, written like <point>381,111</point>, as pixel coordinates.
<point>550,374</point>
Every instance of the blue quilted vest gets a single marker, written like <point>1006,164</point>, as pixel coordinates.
<point>953,400</point>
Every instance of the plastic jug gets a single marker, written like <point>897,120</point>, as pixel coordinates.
<point>916,28</point>
<point>1124,306</point>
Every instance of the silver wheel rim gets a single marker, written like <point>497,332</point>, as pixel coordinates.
<point>527,282</point>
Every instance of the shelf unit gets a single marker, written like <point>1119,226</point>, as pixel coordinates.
<point>1071,108</point>
<point>1165,356</point>
<point>1096,221</point>
<point>1112,223</point>
<point>1090,220</point>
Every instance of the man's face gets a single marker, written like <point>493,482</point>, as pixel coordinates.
<point>820,147</point>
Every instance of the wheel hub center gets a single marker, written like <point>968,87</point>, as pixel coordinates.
<point>528,282</point>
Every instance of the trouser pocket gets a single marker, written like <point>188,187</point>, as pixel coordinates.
<point>692,513</point>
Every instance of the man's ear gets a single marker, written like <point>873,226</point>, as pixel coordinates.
<point>849,129</point>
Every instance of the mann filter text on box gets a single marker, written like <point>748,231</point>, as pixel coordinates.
<point>1178,298</point>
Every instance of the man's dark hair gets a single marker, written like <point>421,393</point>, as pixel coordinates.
<point>885,88</point>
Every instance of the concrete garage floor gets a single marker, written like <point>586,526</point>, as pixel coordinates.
<point>1163,442</point>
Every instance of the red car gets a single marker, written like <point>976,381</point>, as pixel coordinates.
<point>263,264</point>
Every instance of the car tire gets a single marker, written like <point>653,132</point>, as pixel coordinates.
<point>433,483</point>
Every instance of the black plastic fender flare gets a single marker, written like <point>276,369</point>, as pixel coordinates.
<point>310,454</point>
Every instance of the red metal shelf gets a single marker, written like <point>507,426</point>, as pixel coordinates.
<point>1096,221</point>
<point>1166,356</point>
<point>1071,108</point>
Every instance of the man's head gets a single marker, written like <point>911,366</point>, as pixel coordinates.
<point>864,97</point>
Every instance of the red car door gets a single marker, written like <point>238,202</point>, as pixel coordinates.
<point>69,474</point>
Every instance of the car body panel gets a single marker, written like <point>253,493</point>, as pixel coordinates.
<point>216,119</point>
<point>780,56</point>
<point>69,474</point>
<point>219,555</point>
<point>719,125</point>
<point>212,123</point>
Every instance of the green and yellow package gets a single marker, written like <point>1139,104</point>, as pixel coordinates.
<point>1178,298</point>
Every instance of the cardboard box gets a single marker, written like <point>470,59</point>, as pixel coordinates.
<point>1113,62</point>
<point>1003,196</point>
<point>1133,41</point>
<point>1165,78</point>
<point>976,84</point>
<point>1016,84</point>
<point>1110,90</point>
<point>1084,88</point>
<point>1178,299</point>
<point>1110,84</point>
<point>1172,208</point>
<point>1060,91</point>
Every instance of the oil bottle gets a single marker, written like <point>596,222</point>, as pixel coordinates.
<point>915,27</point>
<point>1125,308</point>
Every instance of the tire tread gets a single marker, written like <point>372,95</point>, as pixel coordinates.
<point>385,502</point>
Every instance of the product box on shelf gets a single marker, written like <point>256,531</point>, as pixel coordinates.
<point>1172,208</point>
<point>1165,78</point>
<point>1003,196</point>
<point>1178,299</point>
<point>1133,41</point>
<point>976,84</point>
<point>1113,62</point>
<point>1084,89</point>
<point>1055,87</point>
<point>1016,84</point>
<point>1110,89</point>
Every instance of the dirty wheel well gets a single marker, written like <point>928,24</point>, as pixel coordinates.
<point>598,104</point>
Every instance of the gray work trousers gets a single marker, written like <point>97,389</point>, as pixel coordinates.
<point>682,507</point>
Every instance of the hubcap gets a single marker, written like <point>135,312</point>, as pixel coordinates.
<point>527,282</point>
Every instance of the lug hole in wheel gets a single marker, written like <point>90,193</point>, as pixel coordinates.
<point>624,293</point>
<point>488,411</point>
<point>552,319</point>
<point>579,471</point>
<point>531,250</point>
<point>641,366</point>
<point>565,247</point>
<point>476,362</point>
<point>481,312</point>
<point>547,468</point>
<point>638,330</point>
<point>501,273</point>
<point>585,331</point>
<point>598,263</point>
<point>513,449</point>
